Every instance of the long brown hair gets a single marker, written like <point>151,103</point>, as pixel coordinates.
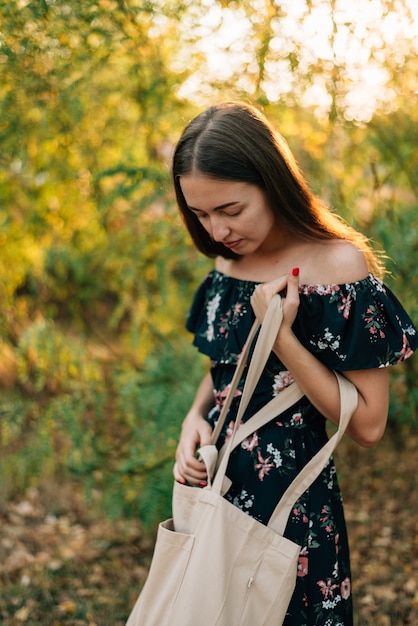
<point>233,141</point>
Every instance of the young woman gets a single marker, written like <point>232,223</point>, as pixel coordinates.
<point>245,202</point>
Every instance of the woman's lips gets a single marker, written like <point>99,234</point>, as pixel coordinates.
<point>232,244</point>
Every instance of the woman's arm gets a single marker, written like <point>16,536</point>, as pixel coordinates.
<point>319,384</point>
<point>316,381</point>
<point>195,432</point>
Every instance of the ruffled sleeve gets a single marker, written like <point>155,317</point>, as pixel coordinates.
<point>221,317</point>
<point>354,326</point>
<point>196,313</point>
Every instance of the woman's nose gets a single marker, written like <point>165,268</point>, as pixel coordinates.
<point>219,230</point>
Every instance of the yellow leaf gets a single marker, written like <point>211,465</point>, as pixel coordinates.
<point>68,606</point>
<point>22,614</point>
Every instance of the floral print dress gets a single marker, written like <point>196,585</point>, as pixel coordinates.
<point>348,327</point>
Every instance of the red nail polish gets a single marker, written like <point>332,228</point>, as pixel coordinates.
<point>295,271</point>
<point>203,484</point>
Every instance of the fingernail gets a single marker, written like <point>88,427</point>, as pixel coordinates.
<point>203,484</point>
<point>295,271</point>
<point>181,481</point>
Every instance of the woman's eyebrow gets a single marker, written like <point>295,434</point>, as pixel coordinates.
<point>217,208</point>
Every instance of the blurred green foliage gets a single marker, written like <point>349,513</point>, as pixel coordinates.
<point>96,270</point>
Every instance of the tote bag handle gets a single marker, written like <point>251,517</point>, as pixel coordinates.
<point>268,333</point>
<point>285,399</point>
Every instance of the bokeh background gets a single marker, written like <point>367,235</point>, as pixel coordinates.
<point>97,272</point>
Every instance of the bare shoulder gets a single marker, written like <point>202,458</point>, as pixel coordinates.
<point>335,262</point>
<point>322,262</point>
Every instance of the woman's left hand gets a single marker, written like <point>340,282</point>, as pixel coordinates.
<point>264,292</point>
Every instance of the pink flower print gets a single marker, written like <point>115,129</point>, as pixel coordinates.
<point>229,319</point>
<point>406,351</point>
<point>230,430</point>
<point>212,308</point>
<point>327,588</point>
<point>264,466</point>
<point>325,518</point>
<point>281,381</point>
<point>321,290</point>
<point>211,316</point>
<point>250,444</point>
<point>327,290</point>
<point>223,328</point>
<point>371,317</point>
<point>325,514</point>
<point>298,513</point>
<point>307,289</point>
<point>346,589</point>
<point>303,563</point>
<point>368,317</point>
<point>296,419</point>
<point>210,333</point>
<point>345,307</point>
<point>220,397</point>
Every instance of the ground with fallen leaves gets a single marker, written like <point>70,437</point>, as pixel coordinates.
<point>59,565</point>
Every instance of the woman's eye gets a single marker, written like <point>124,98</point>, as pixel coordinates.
<point>203,216</point>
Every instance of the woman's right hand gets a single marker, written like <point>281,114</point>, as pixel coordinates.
<point>264,292</point>
<point>195,433</point>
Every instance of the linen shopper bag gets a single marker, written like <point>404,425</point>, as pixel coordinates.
<point>214,565</point>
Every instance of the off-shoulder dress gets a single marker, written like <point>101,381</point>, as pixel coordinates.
<point>352,326</point>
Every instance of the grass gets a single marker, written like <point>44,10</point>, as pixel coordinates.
<point>75,567</point>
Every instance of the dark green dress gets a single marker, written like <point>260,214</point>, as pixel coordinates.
<point>348,327</point>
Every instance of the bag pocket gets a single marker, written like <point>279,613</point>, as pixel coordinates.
<point>168,566</point>
<point>171,556</point>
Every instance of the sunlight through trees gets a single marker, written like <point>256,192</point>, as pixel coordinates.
<point>96,271</point>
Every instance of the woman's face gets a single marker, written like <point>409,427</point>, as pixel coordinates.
<point>235,214</point>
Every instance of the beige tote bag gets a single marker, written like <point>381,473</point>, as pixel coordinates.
<point>214,565</point>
